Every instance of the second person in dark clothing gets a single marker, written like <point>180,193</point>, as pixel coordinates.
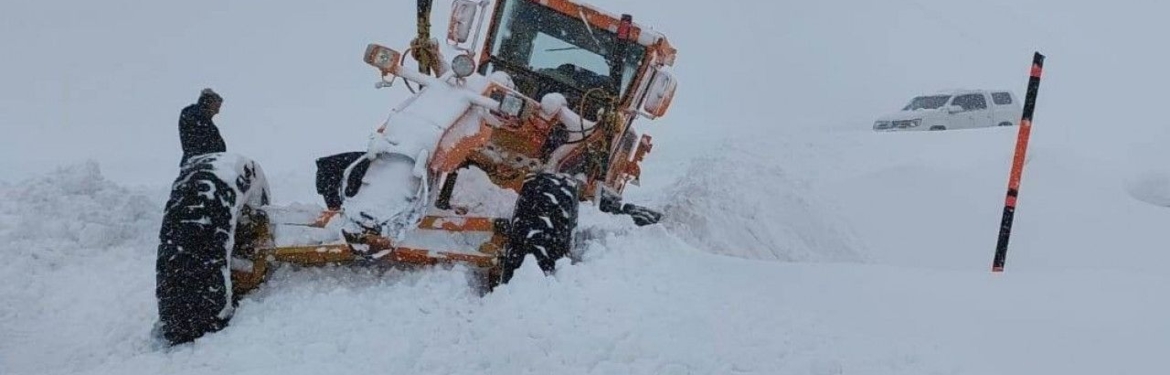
<point>197,132</point>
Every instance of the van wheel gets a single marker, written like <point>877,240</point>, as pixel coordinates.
<point>1005,123</point>
<point>938,127</point>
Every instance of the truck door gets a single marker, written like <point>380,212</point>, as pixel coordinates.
<point>974,111</point>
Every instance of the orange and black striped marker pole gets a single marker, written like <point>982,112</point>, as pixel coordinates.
<point>1013,192</point>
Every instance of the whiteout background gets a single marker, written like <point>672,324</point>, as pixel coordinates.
<point>106,80</point>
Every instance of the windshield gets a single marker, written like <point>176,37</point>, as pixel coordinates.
<point>561,47</point>
<point>927,102</point>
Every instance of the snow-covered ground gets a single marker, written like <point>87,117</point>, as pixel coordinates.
<point>887,273</point>
<point>796,241</point>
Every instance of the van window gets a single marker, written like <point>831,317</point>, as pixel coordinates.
<point>1001,98</point>
<point>970,102</point>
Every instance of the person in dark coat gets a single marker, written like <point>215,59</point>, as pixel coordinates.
<point>197,132</point>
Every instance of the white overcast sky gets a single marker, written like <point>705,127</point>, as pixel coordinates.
<point>105,80</point>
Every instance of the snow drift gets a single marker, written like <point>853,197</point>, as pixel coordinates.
<point>83,303</point>
<point>740,200</point>
<point>78,273</point>
<point>640,300</point>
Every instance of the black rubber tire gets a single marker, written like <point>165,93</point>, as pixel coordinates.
<point>542,223</point>
<point>331,171</point>
<point>1005,123</point>
<point>937,128</point>
<point>193,283</point>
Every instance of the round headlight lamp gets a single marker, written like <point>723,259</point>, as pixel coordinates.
<point>463,66</point>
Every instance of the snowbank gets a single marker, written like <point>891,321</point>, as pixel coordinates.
<point>935,199</point>
<point>741,201</point>
<point>1152,187</point>
<point>1148,172</point>
<point>75,204</point>
<point>77,275</point>
<point>641,300</point>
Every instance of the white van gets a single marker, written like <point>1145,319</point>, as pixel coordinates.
<point>957,109</point>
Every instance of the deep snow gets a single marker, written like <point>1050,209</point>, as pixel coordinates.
<point>878,297</point>
<point>797,242</point>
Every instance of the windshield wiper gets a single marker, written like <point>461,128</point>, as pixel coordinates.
<point>596,42</point>
<point>563,49</point>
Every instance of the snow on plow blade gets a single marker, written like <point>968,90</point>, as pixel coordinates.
<point>485,240</point>
<point>366,247</point>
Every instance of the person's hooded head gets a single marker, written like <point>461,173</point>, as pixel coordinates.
<point>210,100</point>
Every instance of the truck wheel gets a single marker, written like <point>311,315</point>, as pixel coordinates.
<point>209,204</point>
<point>1005,123</point>
<point>938,127</point>
<point>542,223</point>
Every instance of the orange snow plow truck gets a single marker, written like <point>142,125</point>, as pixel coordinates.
<point>540,98</point>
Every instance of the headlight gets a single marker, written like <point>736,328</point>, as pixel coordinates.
<point>463,66</point>
<point>512,105</point>
<point>383,58</point>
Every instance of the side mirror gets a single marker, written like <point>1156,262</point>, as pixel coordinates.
<point>660,94</point>
<point>954,109</point>
<point>463,14</point>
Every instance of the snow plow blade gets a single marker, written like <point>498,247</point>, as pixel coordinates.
<point>368,248</point>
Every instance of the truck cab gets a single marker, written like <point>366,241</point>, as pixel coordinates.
<point>545,48</point>
<point>954,109</point>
